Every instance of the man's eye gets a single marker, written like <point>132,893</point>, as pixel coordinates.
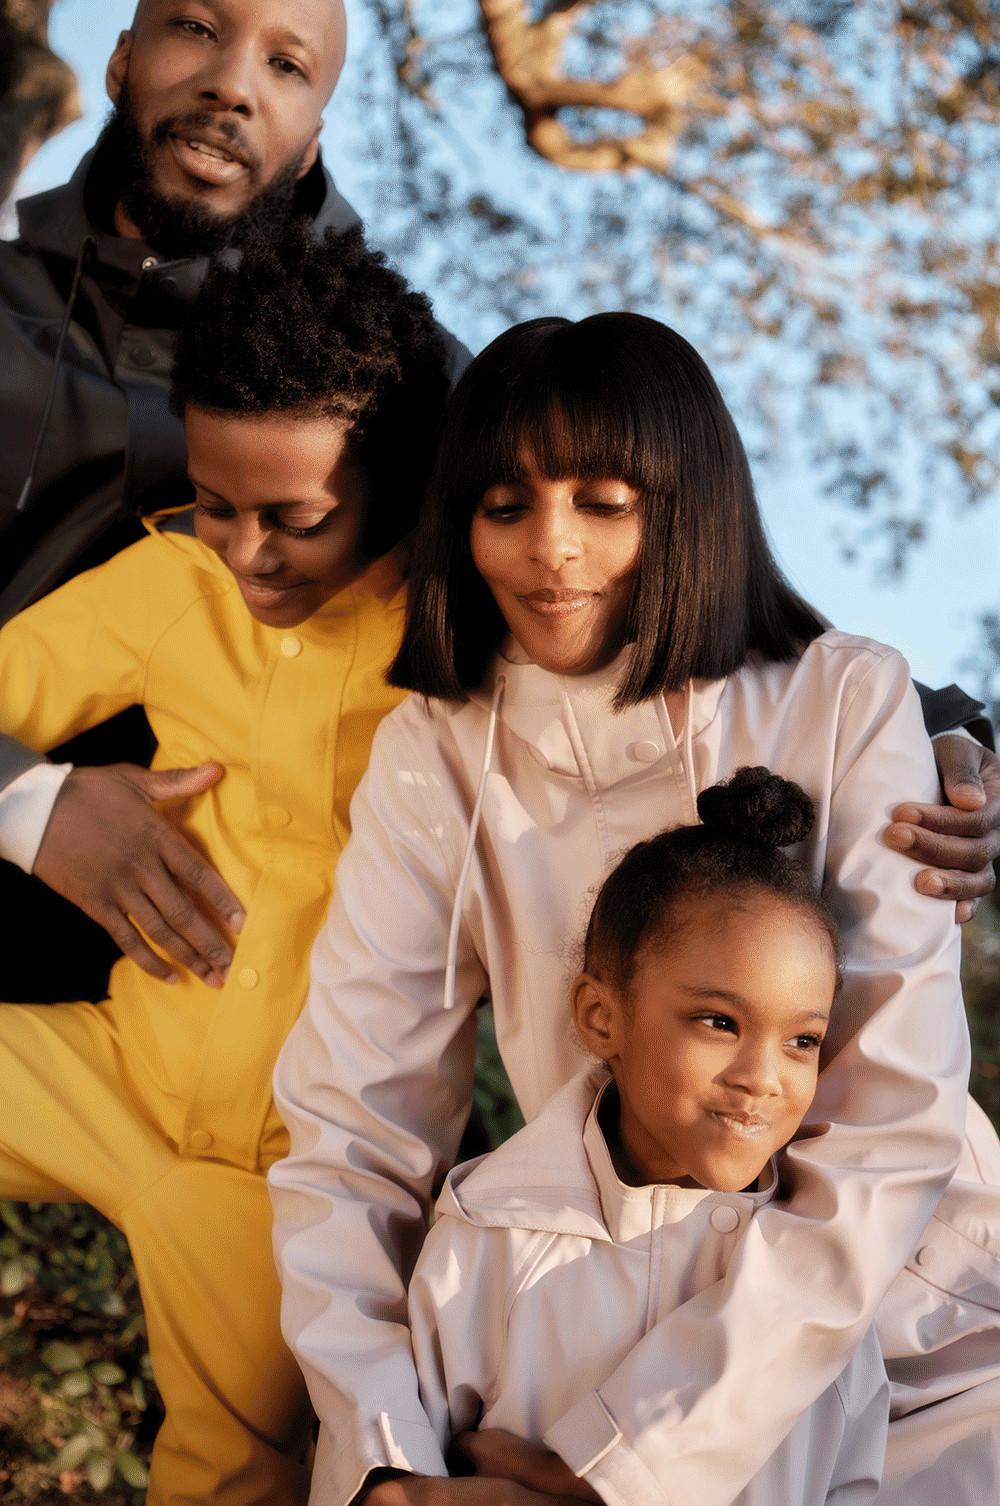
<point>285,65</point>
<point>195,28</point>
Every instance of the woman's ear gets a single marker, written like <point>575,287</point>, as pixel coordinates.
<point>597,1013</point>
<point>117,72</point>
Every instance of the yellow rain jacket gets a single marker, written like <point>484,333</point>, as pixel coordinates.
<point>156,1105</point>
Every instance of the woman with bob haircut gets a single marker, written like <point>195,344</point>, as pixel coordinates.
<point>598,632</point>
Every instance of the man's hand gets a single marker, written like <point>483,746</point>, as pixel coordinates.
<point>960,840</point>
<point>109,850</point>
<point>496,1453</point>
<point>429,1490</point>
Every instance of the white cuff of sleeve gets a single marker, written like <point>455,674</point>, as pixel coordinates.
<point>957,732</point>
<point>339,1473</point>
<point>25,807</point>
<point>588,1439</point>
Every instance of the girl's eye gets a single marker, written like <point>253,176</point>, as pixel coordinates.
<point>806,1042</point>
<point>720,1023</point>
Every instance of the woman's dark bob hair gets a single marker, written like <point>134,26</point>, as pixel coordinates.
<point>621,396</point>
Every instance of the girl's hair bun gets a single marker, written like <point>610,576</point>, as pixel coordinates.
<point>757,808</point>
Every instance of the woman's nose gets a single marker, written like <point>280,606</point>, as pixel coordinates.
<point>555,538</point>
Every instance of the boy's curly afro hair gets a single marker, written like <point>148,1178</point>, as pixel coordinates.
<point>317,327</point>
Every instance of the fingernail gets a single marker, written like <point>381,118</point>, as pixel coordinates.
<point>933,884</point>
<point>236,921</point>
<point>215,980</point>
<point>900,836</point>
<point>172,978</point>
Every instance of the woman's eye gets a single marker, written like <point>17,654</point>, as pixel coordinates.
<point>502,512</point>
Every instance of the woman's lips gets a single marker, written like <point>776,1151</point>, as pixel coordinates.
<point>561,603</point>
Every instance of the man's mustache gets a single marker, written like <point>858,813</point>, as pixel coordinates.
<point>235,143</point>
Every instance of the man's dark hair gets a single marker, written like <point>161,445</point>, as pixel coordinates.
<point>323,328</point>
<point>736,852</point>
<point>615,395</point>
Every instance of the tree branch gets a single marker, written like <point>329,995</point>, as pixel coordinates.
<point>38,92</point>
<point>528,57</point>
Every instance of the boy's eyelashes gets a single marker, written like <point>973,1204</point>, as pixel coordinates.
<point>270,516</point>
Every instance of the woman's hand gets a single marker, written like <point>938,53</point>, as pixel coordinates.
<point>476,1490</point>
<point>495,1453</point>
<point>961,840</point>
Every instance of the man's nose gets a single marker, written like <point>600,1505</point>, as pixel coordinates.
<point>229,79</point>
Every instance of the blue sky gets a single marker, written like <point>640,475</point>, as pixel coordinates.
<point>931,614</point>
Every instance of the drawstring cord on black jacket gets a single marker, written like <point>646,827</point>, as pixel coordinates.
<point>43,428</point>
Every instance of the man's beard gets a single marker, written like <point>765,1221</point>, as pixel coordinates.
<point>180,227</point>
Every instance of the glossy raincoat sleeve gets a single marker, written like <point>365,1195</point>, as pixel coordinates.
<point>457,1300</point>
<point>374,1085</point>
<point>705,1398</point>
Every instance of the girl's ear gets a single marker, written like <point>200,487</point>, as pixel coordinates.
<point>597,1012</point>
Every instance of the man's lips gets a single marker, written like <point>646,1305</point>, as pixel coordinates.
<point>206,158</point>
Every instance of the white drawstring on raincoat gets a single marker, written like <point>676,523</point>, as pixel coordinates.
<point>687,757</point>
<point>470,846</point>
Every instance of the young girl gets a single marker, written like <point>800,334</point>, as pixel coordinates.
<point>599,632</point>
<point>256,630</point>
<point>710,971</point>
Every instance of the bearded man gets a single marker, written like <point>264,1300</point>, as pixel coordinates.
<point>213,141</point>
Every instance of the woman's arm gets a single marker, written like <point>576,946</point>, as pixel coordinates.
<point>706,1397</point>
<point>374,1085</point>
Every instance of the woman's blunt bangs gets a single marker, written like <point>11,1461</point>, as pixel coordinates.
<point>614,396</point>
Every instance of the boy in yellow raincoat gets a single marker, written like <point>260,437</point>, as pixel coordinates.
<point>255,631</point>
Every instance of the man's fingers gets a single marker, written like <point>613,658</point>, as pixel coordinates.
<point>199,879</point>
<point>177,784</point>
<point>960,763</point>
<point>964,853</point>
<point>949,883</point>
<point>125,936</point>
<point>151,914</point>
